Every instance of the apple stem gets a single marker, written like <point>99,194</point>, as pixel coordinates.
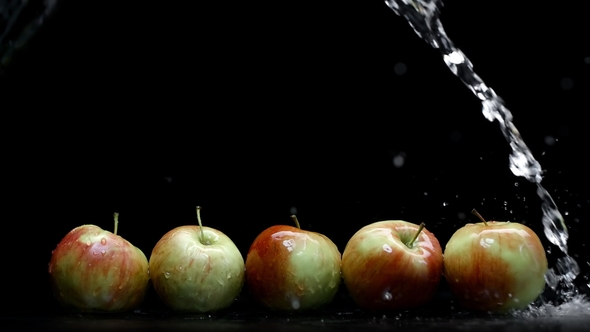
<point>479,216</point>
<point>116,217</point>
<point>294,217</point>
<point>411,243</point>
<point>201,225</point>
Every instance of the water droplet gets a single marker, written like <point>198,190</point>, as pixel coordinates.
<point>167,274</point>
<point>387,248</point>
<point>425,194</point>
<point>551,279</point>
<point>88,243</point>
<point>103,252</point>
<point>179,268</point>
<point>566,83</point>
<point>289,244</point>
<point>120,286</point>
<point>516,184</point>
<point>399,160</point>
<point>400,68</point>
<point>228,275</point>
<point>387,296</point>
<point>103,241</point>
<point>445,203</point>
<point>295,304</point>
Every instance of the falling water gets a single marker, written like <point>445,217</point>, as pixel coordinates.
<point>423,17</point>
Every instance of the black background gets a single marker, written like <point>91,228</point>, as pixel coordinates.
<point>253,109</point>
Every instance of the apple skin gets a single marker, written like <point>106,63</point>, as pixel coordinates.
<point>191,276</point>
<point>382,273</point>
<point>94,270</point>
<point>289,269</point>
<point>495,268</point>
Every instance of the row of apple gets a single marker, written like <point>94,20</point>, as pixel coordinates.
<point>386,265</point>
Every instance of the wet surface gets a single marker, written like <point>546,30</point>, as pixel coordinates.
<point>336,321</point>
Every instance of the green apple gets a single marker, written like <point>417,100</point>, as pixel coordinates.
<point>495,266</point>
<point>290,269</point>
<point>196,269</point>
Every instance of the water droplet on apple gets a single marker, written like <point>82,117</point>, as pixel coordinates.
<point>228,275</point>
<point>179,268</point>
<point>289,244</point>
<point>120,286</point>
<point>78,263</point>
<point>295,303</point>
<point>509,294</point>
<point>88,243</point>
<point>387,296</point>
<point>516,300</point>
<point>103,252</point>
<point>167,274</point>
<point>387,248</point>
<point>103,241</point>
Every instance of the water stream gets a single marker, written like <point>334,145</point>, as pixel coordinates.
<point>423,17</point>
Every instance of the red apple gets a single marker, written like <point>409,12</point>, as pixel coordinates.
<point>95,270</point>
<point>290,269</point>
<point>495,266</point>
<point>196,269</point>
<point>391,265</point>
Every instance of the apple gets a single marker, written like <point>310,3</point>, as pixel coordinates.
<point>495,266</point>
<point>392,265</point>
<point>289,269</point>
<point>196,269</point>
<point>94,270</point>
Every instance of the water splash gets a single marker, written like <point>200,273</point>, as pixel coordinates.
<point>423,17</point>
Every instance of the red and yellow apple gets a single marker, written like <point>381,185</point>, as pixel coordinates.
<point>94,270</point>
<point>392,265</point>
<point>290,269</point>
<point>495,266</point>
<point>196,269</point>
